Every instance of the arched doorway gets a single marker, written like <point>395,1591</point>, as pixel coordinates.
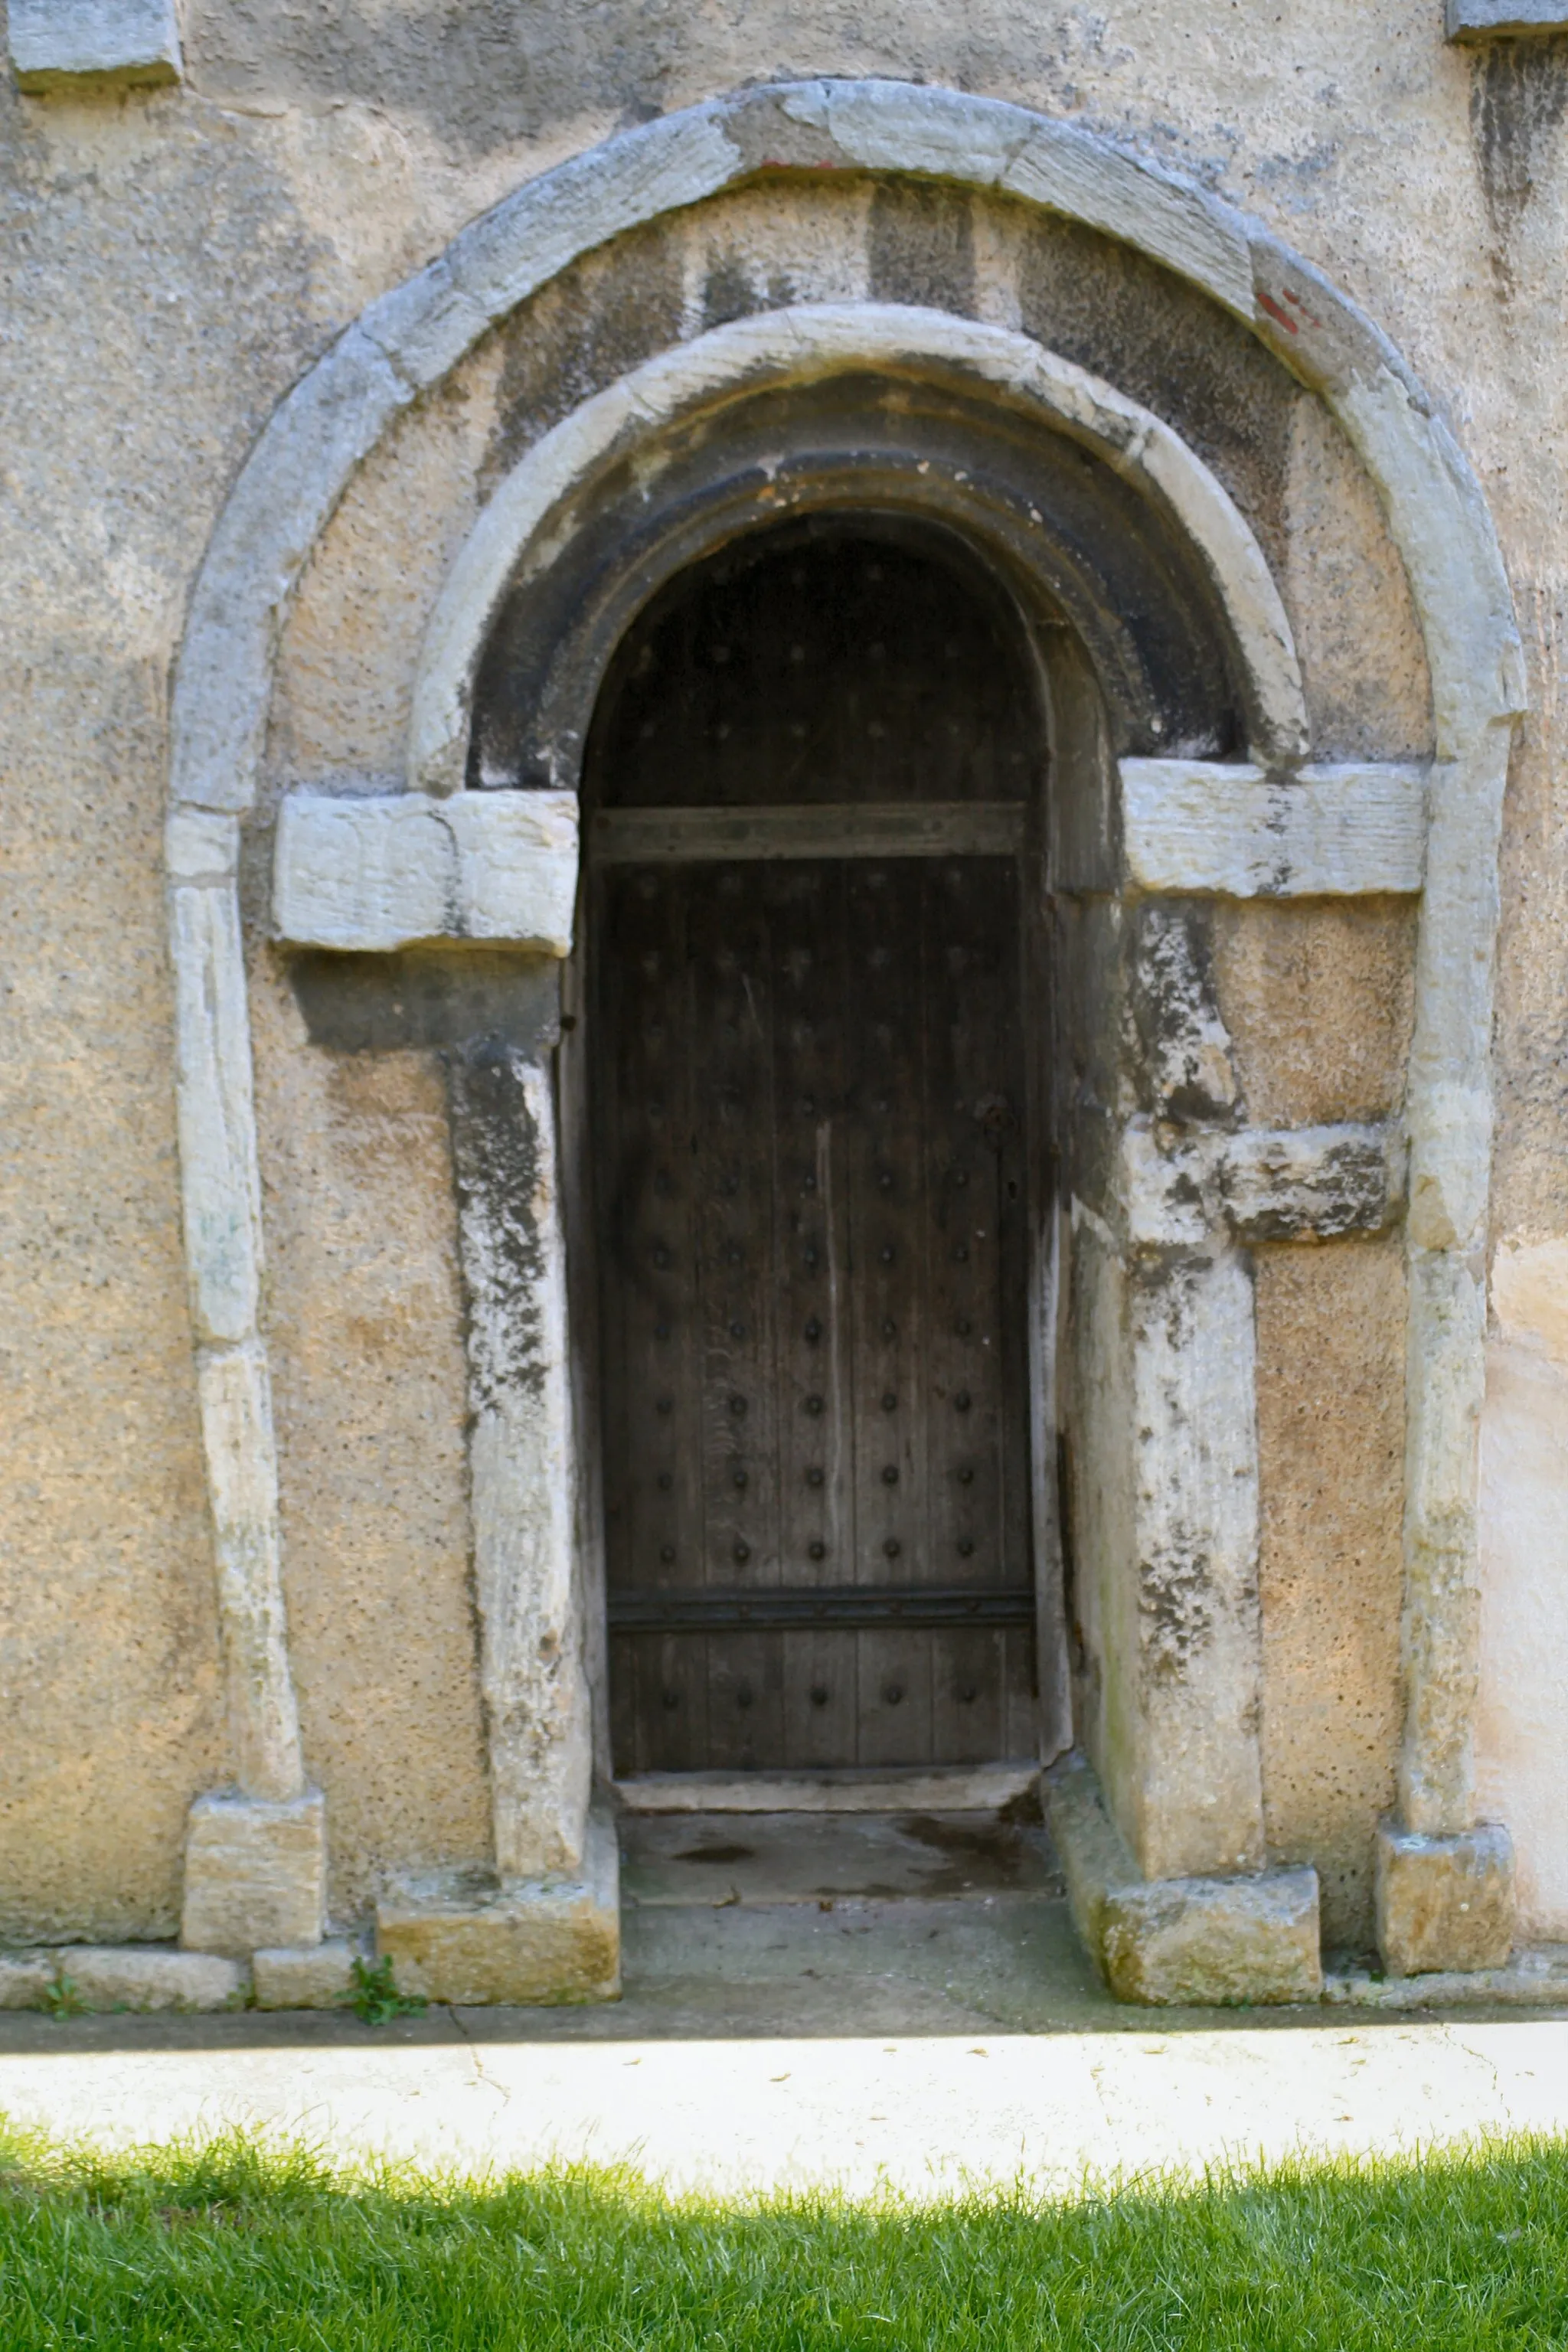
<point>818,1111</point>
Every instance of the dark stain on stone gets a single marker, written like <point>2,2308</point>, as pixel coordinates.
<point>597,322</point>
<point>425,997</point>
<point>1177,1017</point>
<point>980,1852</point>
<point>716,1852</point>
<point>1163,344</point>
<point>922,247</point>
<point>727,290</point>
<point>1519,91</point>
<point>1173,1603</point>
<point>498,1154</point>
<point>483,75</point>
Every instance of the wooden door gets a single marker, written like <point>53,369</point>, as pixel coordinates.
<point>810,1148</point>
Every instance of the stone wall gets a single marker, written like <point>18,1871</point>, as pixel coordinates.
<point>174,259</point>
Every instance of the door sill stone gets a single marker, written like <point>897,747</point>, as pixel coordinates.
<point>915,1787</point>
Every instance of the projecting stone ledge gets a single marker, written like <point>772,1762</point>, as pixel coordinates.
<point>1482,20</point>
<point>1172,1942</point>
<point>368,873</point>
<point>454,1937</point>
<point>64,45</point>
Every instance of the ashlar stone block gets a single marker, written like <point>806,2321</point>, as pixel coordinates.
<point>256,1873</point>
<point>151,1976</point>
<point>25,1978</point>
<point>1444,1903</point>
<point>64,43</point>
<point>310,1976</point>
<point>456,1937</point>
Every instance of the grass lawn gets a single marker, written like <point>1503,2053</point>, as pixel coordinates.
<point>241,2248</point>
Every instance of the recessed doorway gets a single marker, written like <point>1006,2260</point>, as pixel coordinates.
<point>817,1111</point>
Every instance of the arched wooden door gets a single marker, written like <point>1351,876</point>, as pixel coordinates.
<point>813,1120</point>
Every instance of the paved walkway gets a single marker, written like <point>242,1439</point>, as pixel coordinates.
<point>788,2044</point>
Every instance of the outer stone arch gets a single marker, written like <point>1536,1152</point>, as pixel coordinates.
<point>408,342</point>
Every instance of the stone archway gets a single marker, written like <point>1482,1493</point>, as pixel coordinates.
<point>1232,821</point>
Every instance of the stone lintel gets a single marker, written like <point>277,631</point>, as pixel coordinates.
<point>1173,1941</point>
<point>256,1873</point>
<point>1485,20</point>
<point>454,1937</point>
<point>1444,1904</point>
<point>66,45</point>
<point>306,1976</point>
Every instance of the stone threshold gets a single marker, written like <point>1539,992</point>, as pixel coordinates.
<point>905,1789</point>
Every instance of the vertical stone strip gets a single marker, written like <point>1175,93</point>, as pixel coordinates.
<point>522,1460</point>
<point>1449,1112</point>
<point>222,1203</point>
<point>236,1431</point>
<point>1444,532</point>
<point>1199,1808</point>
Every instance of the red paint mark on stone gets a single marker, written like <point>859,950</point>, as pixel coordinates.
<point>1282,317</point>
<point>782,163</point>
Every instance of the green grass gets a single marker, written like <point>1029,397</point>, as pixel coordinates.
<point>253,2251</point>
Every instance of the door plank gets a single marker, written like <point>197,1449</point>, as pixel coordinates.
<point>813,1284</point>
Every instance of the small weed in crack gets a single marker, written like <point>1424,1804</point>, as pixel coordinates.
<point>376,1999</point>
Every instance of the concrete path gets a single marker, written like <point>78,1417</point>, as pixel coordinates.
<point>791,2044</point>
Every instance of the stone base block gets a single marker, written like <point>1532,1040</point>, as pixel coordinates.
<point>256,1874</point>
<point>1169,1941</point>
<point>1214,1941</point>
<point>455,1937</point>
<point>25,1978</point>
<point>151,1976</point>
<point>1444,1903</point>
<point>310,1976</point>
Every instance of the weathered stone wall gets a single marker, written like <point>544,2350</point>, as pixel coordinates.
<point>172,261</point>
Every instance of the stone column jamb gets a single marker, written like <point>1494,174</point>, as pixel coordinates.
<point>522,1460</point>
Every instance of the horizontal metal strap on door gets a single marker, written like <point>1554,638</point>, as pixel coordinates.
<point>664,836</point>
<point>803,1608</point>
